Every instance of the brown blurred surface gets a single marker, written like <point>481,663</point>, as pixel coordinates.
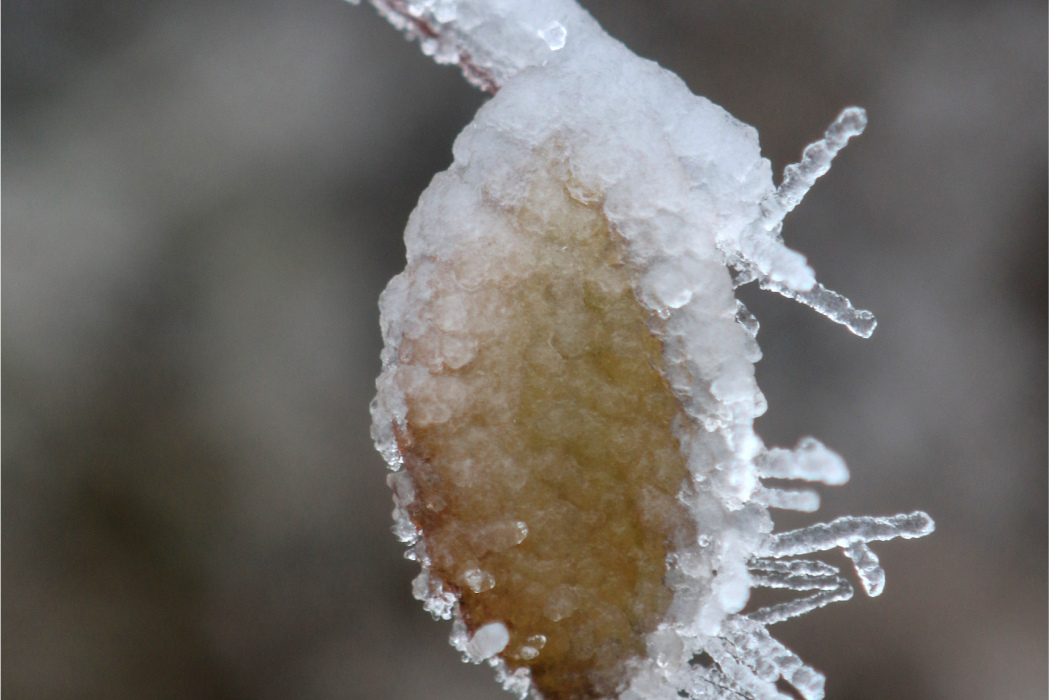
<point>202,202</point>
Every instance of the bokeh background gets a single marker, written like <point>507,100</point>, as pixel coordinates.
<point>202,201</point>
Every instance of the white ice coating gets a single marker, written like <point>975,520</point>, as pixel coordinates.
<point>686,187</point>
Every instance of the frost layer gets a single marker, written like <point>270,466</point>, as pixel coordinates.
<point>568,393</point>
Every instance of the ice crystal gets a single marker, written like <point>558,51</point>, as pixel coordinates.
<point>567,397</point>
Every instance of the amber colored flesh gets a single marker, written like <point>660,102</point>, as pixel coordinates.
<point>566,427</point>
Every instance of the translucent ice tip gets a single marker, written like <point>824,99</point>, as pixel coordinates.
<point>828,303</point>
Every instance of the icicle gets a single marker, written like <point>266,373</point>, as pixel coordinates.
<point>776,266</point>
<point>794,608</point>
<point>755,639</point>
<point>843,532</point>
<point>753,661</point>
<point>794,567</point>
<point>816,160</point>
<point>742,674</point>
<point>809,461</point>
<point>803,501</point>
<point>813,575</point>
<point>801,575</point>
<point>827,303</point>
<point>871,575</point>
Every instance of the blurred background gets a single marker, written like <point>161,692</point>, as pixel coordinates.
<point>203,200</point>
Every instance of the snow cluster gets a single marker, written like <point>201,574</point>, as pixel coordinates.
<point>683,185</point>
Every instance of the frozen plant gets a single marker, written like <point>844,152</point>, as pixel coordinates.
<point>568,395</point>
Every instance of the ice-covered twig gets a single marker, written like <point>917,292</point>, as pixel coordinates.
<point>445,45</point>
<point>489,41</point>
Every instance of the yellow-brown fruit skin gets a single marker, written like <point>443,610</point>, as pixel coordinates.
<point>563,424</point>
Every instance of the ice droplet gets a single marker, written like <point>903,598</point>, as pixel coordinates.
<point>421,586</point>
<point>478,580</point>
<point>746,319</point>
<point>554,34</point>
<point>488,641</point>
<point>528,652</point>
